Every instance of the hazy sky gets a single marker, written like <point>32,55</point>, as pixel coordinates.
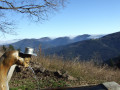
<point>79,17</point>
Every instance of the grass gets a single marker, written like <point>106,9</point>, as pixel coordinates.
<point>87,73</point>
<point>22,84</point>
<point>52,83</point>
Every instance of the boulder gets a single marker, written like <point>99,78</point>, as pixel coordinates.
<point>58,74</point>
<point>64,74</point>
<point>40,69</point>
<point>71,78</point>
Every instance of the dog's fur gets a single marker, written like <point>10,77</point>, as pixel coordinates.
<point>8,61</point>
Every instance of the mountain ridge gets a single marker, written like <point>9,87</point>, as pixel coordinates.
<point>105,48</point>
<point>47,42</point>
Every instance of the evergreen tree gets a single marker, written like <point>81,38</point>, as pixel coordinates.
<point>4,48</point>
<point>11,47</point>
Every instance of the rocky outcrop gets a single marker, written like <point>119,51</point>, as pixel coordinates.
<point>45,73</point>
<point>64,74</point>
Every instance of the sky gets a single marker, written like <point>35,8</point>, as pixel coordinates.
<point>77,18</point>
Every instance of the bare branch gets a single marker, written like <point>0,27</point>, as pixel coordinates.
<point>6,27</point>
<point>36,9</point>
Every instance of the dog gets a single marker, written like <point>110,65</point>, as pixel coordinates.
<point>8,61</point>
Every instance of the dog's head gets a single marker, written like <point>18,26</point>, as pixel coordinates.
<point>23,60</point>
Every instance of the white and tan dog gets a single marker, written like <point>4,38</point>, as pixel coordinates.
<point>8,62</point>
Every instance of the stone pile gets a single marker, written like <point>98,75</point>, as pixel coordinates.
<point>41,71</point>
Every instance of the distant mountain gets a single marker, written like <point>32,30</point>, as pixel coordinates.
<point>60,41</point>
<point>95,36</point>
<point>44,39</point>
<point>81,37</point>
<point>103,48</point>
<point>47,42</point>
<point>5,42</point>
<point>34,43</point>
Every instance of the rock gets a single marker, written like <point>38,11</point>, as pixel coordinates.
<point>42,69</point>
<point>64,74</point>
<point>58,74</point>
<point>36,66</point>
<point>71,78</point>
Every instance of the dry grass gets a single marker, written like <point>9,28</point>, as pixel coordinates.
<point>86,72</point>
